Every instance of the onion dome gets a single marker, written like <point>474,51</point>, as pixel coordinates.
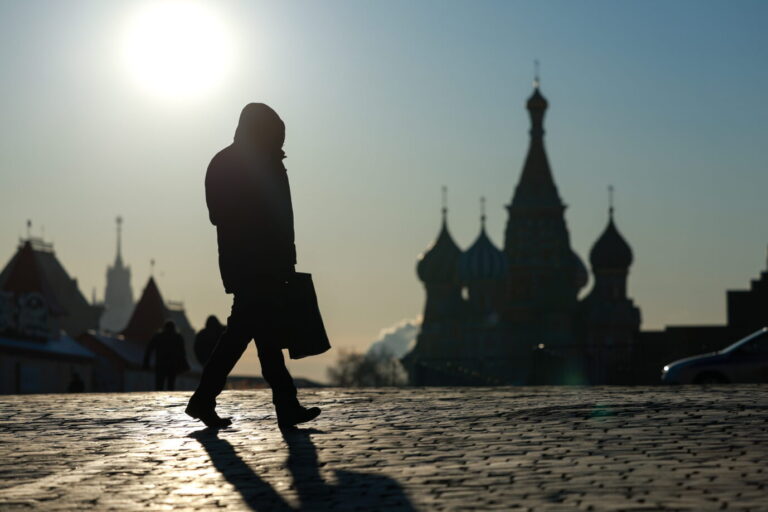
<point>537,101</point>
<point>611,251</point>
<point>439,263</point>
<point>482,261</point>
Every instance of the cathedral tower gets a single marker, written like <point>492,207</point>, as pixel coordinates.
<point>118,296</point>
<point>438,270</point>
<point>609,320</point>
<point>545,274</point>
<point>439,338</point>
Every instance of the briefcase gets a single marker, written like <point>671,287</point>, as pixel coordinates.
<point>306,334</point>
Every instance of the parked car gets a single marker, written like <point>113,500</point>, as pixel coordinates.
<point>744,361</point>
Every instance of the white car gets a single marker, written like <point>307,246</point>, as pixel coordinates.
<point>744,361</point>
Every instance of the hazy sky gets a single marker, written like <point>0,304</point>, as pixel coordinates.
<point>384,102</point>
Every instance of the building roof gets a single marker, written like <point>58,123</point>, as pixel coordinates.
<point>24,274</point>
<point>60,290</point>
<point>132,353</point>
<point>148,316</point>
<point>63,346</point>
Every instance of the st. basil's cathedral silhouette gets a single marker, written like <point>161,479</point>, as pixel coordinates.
<point>513,315</point>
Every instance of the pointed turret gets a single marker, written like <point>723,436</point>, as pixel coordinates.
<point>118,295</point>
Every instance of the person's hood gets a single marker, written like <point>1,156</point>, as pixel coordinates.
<point>260,128</point>
<point>212,323</point>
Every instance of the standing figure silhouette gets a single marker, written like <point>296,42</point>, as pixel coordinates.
<point>170,359</point>
<point>249,202</point>
<point>206,339</point>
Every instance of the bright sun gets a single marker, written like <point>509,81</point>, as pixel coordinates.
<point>176,48</point>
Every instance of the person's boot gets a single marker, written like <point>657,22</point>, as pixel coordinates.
<point>207,414</point>
<point>293,414</point>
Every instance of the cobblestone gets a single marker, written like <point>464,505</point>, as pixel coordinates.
<point>548,448</point>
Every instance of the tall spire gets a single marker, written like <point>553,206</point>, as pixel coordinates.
<point>610,202</point>
<point>119,256</point>
<point>445,204</point>
<point>482,213</point>
<point>118,295</point>
<point>536,78</point>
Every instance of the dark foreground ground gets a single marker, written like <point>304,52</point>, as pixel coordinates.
<point>685,448</point>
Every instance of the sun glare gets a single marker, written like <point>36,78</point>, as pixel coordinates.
<point>176,48</point>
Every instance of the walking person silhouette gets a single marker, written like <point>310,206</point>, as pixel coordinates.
<point>249,202</point>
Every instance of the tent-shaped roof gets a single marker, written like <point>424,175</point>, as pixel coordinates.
<point>148,316</point>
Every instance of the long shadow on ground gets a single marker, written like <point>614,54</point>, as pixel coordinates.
<point>354,491</point>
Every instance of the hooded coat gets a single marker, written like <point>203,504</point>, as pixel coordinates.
<point>249,202</point>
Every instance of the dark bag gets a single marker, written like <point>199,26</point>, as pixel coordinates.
<point>306,334</point>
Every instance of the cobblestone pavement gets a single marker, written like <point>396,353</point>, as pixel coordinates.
<point>682,448</point>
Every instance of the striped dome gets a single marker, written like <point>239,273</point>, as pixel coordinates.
<point>482,261</point>
<point>439,263</point>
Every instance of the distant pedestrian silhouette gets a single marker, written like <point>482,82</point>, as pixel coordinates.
<point>170,360</point>
<point>249,202</point>
<point>206,339</point>
<point>76,385</point>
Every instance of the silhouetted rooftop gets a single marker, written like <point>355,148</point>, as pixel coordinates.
<point>611,251</point>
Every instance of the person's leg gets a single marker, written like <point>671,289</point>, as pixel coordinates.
<point>171,381</point>
<point>225,355</point>
<point>267,336</point>
<point>158,380</point>
<point>275,372</point>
